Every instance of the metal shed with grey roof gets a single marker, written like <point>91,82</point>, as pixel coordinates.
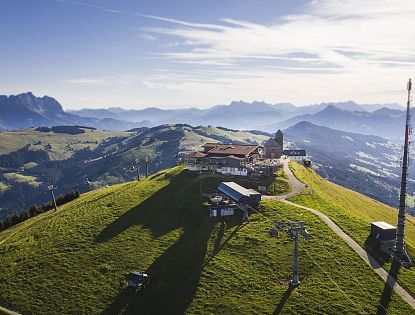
<point>240,194</point>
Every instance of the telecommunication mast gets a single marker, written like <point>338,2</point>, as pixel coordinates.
<point>399,250</point>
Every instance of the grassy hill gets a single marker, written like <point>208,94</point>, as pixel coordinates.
<point>30,158</point>
<point>354,212</point>
<point>73,261</point>
<point>62,145</point>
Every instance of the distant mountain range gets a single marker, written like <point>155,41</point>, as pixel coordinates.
<point>269,117</point>
<point>26,110</point>
<point>367,164</point>
<point>384,122</point>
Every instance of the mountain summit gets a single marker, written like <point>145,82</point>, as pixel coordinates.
<point>27,110</point>
<point>18,111</point>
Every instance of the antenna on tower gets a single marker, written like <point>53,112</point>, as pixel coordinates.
<point>399,250</point>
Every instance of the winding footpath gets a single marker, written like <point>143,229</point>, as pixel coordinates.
<point>296,188</point>
<point>7,312</point>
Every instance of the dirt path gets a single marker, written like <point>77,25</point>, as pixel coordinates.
<point>296,188</point>
<point>8,312</point>
<point>295,185</point>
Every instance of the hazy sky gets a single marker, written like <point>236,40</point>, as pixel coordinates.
<point>170,53</point>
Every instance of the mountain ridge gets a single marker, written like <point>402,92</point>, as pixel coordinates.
<point>27,110</point>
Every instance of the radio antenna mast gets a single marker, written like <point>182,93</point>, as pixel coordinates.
<point>399,250</point>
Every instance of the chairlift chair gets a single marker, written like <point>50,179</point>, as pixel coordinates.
<point>273,232</point>
<point>137,280</point>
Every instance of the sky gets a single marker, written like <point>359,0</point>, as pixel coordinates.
<point>181,53</point>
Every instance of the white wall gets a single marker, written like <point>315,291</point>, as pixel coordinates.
<point>240,171</point>
<point>225,170</point>
<point>227,212</point>
<point>194,168</point>
<point>298,158</point>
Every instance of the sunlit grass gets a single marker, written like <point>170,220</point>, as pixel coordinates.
<point>74,260</point>
<point>353,212</point>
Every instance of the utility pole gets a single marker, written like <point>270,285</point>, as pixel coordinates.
<point>399,251</point>
<point>293,231</point>
<point>146,160</point>
<point>200,181</point>
<point>137,165</point>
<point>51,188</point>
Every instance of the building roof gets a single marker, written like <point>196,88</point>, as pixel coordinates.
<point>236,191</point>
<point>233,157</point>
<point>253,192</point>
<point>232,149</point>
<point>294,152</point>
<point>384,225</point>
<point>196,154</point>
<point>210,145</point>
<point>271,143</point>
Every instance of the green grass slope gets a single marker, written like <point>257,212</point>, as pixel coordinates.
<point>73,261</point>
<point>62,145</point>
<point>354,212</point>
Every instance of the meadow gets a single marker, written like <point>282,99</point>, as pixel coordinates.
<point>74,260</point>
<point>354,213</point>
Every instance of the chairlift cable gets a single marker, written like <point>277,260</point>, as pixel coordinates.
<point>315,238</point>
<point>329,254</point>
<point>318,265</point>
<point>312,259</point>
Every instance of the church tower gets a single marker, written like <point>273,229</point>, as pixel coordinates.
<point>279,137</point>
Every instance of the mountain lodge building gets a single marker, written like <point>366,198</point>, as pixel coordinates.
<point>229,159</point>
<point>239,159</point>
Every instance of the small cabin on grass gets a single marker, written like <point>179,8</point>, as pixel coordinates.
<point>137,280</point>
<point>240,194</point>
<point>385,234</point>
<point>383,231</point>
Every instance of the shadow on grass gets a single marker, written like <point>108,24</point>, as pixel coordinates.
<point>218,245</point>
<point>377,257</point>
<point>175,273</point>
<point>177,205</point>
<point>387,290</point>
<point>284,299</point>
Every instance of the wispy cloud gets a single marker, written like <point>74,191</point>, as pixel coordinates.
<point>334,32</point>
<point>124,79</point>
<point>148,16</point>
<point>147,36</point>
<point>332,50</point>
<point>344,49</point>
